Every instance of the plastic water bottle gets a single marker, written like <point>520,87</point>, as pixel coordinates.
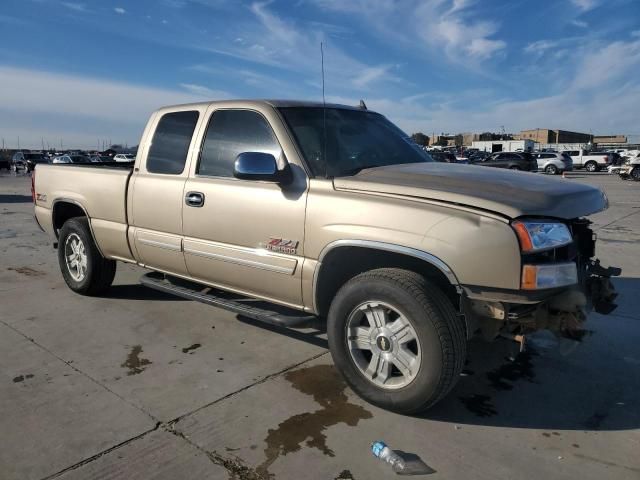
<point>381,451</point>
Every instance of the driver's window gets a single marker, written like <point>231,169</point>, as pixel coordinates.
<point>231,132</point>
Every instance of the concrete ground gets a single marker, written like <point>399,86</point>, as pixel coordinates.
<point>142,385</point>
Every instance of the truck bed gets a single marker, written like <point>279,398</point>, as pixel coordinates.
<point>100,189</point>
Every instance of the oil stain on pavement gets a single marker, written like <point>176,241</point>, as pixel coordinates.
<point>134,363</point>
<point>191,348</point>
<point>326,387</point>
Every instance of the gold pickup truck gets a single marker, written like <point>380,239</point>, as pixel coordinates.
<point>330,212</point>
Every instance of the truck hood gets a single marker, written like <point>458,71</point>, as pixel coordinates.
<point>509,193</point>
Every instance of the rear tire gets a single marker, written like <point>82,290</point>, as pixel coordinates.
<point>514,167</point>
<point>551,169</point>
<point>419,330</point>
<point>83,268</point>
<point>635,174</point>
<point>591,166</point>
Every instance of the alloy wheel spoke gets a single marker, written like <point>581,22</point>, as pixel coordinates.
<point>402,331</point>
<point>404,360</point>
<point>376,316</point>
<point>379,368</point>
<point>360,338</point>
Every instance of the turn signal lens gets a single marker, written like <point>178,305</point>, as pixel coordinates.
<point>537,277</point>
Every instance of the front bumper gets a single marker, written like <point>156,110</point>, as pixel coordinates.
<point>562,310</point>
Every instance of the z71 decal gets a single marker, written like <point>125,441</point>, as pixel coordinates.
<point>282,245</point>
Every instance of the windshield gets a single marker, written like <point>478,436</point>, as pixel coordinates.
<point>354,140</point>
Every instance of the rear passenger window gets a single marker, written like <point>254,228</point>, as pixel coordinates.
<point>170,143</point>
<point>230,133</point>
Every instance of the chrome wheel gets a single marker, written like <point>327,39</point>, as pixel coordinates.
<point>75,255</point>
<point>383,345</point>
<point>591,167</point>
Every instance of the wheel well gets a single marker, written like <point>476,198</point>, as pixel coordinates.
<point>343,263</point>
<point>63,211</point>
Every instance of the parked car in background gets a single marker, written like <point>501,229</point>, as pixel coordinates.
<point>5,161</point>
<point>33,159</point>
<point>18,161</point>
<point>511,160</point>
<point>590,161</point>
<point>478,156</point>
<point>124,157</point>
<point>553,162</point>
<point>440,156</point>
<point>62,159</point>
<point>631,169</point>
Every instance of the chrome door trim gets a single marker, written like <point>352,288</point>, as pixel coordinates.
<point>388,247</point>
<point>153,243</point>
<point>243,261</point>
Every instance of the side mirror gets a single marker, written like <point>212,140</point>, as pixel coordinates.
<point>260,166</point>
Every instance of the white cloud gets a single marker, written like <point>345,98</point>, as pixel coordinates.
<point>370,74</point>
<point>540,46</point>
<point>579,23</point>
<point>205,92</point>
<point>120,10</point>
<point>273,41</point>
<point>603,82</point>
<point>617,61</point>
<point>78,7</point>
<point>585,5</point>
<point>35,103</point>
<point>459,28</point>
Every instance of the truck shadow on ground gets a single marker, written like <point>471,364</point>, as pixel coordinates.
<point>139,292</point>
<point>554,385</point>
<point>15,198</point>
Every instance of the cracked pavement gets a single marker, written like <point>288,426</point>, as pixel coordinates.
<point>141,385</point>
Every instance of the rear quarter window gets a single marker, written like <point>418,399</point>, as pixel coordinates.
<point>170,142</point>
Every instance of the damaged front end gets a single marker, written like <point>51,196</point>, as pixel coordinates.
<point>562,310</point>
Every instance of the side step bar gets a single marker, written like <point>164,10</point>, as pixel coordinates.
<point>249,307</point>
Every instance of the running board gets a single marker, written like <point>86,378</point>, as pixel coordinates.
<point>249,307</point>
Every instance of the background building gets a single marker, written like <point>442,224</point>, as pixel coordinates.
<point>505,145</point>
<point>544,135</point>
<point>610,139</point>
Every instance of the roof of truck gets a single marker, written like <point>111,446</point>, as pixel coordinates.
<point>273,103</point>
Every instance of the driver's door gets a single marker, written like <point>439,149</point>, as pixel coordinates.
<point>244,235</point>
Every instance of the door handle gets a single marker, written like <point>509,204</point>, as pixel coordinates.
<point>194,199</point>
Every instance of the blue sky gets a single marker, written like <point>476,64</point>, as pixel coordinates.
<point>91,70</point>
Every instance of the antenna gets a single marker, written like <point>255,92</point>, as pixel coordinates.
<point>324,114</point>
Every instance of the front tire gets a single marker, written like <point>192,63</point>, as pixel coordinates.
<point>396,339</point>
<point>635,174</point>
<point>551,169</point>
<point>83,268</point>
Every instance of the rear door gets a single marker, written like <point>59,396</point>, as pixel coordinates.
<point>245,235</point>
<point>157,190</point>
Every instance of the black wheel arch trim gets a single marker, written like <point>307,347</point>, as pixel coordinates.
<point>86,214</point>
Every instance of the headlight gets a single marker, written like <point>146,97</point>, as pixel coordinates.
<point>536,277</point>
<point>539,235</point>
